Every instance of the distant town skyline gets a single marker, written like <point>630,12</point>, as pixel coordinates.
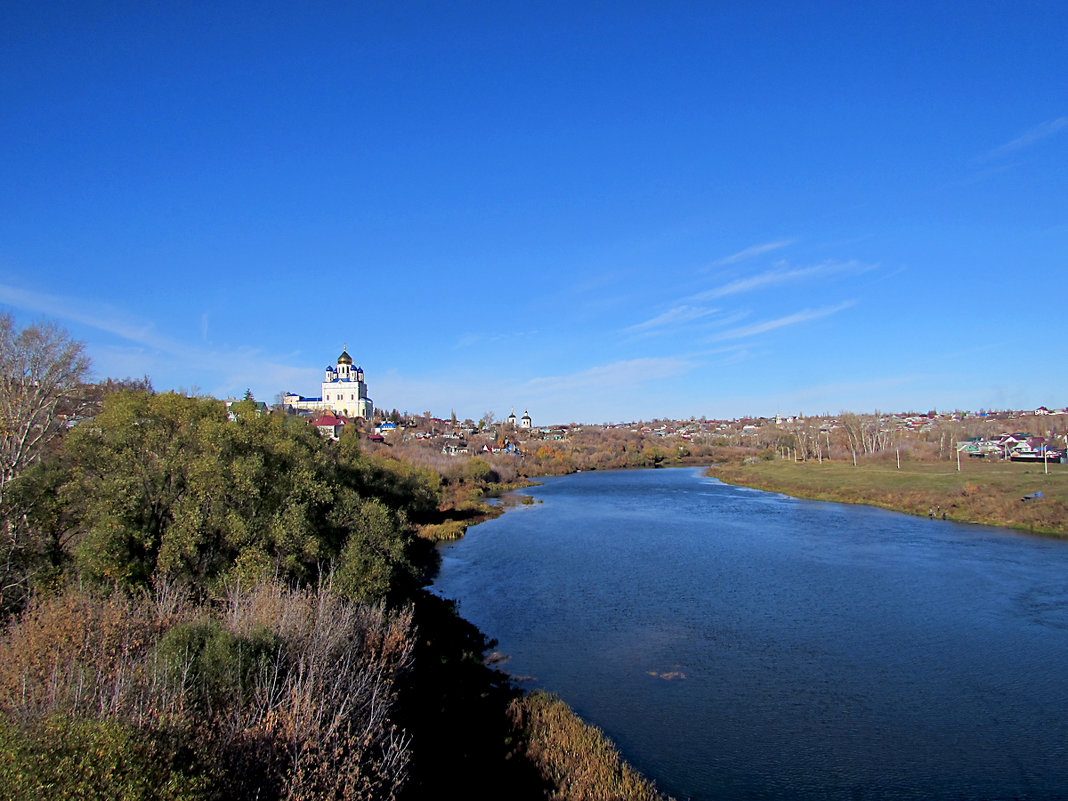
<point>595,213</point>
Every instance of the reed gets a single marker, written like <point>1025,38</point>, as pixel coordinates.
<point>575,759</point>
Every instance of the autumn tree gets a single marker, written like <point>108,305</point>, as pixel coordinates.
<point>41,375</point>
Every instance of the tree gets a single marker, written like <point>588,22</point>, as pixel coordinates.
<point>162,486</point>
<point>478,471</point>
<point>853,429</point>
<point>41,375</point>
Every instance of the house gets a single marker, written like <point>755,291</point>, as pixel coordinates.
<point>260,406</point>
<point>329,425</point>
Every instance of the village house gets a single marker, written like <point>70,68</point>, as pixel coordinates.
<point>329,425</point>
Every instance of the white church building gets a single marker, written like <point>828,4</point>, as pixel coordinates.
<point>524,421</point>
<point>343,392</point>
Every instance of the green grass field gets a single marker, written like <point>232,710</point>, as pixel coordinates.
<point>982,492</point>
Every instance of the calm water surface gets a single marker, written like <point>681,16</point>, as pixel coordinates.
<point>742,644</point>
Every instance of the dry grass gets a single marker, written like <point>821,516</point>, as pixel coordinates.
<point>281,692</point>
<point>991,493</point>
<point>574,758</point>
<point>443,532</point>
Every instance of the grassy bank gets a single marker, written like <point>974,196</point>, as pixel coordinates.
<point>990,493</point>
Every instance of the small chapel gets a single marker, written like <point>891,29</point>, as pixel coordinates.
<point>524,421</point>
<point>343,392</point>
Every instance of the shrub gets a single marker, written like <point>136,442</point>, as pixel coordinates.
<point>214,667</point>
<point>61,757</point>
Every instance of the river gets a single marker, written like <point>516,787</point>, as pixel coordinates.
<point>743,644</point>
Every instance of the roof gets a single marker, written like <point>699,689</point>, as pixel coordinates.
<point>328,420</point>
<point>344,358</point>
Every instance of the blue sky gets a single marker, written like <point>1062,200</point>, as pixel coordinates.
<point>594,211</point>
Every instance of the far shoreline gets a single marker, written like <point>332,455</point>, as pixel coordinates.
<point>1006,495</point>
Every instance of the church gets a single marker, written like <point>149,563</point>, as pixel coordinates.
<point>343,392</point>
<point>524,422</point>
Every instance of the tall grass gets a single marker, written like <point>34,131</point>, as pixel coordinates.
<point>272,692</point>
<point>574,758</point>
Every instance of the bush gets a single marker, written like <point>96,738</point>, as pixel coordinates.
<point>61,757</point>
<point>214,667</point>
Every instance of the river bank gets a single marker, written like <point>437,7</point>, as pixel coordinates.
<point>1008,494</point>
<point>526,744</point>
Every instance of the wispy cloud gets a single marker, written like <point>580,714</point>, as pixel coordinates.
<point>1027,139</point>
<point>223,370</point>
<point>751,252</point>
<point>803,316</point>
<point>780,275</point>
<point>676,316</point>
<point>470,339</point>
<point>629,372</point>
<point>103,318</point>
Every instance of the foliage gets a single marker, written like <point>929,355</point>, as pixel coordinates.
<point>478,471</point>
<point>374,558</point>
<point>212,665</point>
<point>166,485</point>
<point>401,485</point>
<point>77,758</point>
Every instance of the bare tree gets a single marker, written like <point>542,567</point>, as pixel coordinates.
<point>852,428</point>
<point>41,374</point>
